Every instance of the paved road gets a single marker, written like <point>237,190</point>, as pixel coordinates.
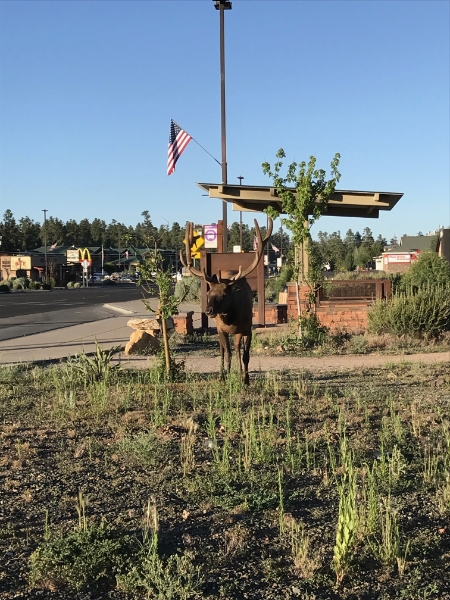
<point>41,301</point>
<point>27,313</point>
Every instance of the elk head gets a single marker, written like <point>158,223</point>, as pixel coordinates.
<point>224,283</point>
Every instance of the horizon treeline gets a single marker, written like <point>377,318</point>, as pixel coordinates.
<point>25,234</point>
<point>353,250</point>
<point>348,253</point>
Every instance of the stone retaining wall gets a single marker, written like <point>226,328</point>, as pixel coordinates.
<point>339,315</point>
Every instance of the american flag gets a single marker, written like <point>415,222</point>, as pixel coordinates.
<point>274,248</point>
<point>178,140</point>
<point>53,246</point>
<point>255,243</point>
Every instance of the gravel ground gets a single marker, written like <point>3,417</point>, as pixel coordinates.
<point>123,444</point>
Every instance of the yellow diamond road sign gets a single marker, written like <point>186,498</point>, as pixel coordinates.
<point>198,243</point>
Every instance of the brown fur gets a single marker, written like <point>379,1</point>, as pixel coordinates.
<point>229,301</point>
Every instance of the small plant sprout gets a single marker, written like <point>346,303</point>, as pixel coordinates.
<point>306,562</point>
<point>80,505</point>
<point>346,525</point>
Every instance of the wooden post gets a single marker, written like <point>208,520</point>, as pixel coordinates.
<point>204,264</point>
<point>261,295</point>
<point>219,236</point>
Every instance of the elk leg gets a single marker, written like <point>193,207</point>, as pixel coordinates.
<point>246,357</point>
<point>225,353</point>
<point>237,349</point>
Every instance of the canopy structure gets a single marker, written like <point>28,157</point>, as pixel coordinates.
<point>343,203</point>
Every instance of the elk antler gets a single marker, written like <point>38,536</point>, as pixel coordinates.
<point>189,239</point>
<point>261,243</point>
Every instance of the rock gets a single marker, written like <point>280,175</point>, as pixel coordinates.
<point>141,341</point>
<point>149,324</point>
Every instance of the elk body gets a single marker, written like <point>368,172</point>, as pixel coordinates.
<point>229,301</point>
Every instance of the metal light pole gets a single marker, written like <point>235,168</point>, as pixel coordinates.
<point>167,227</point>
<point>222,6</point>
<point>44,210</point>
<point>240,216</point>
<point>119,248</point>
<point>281,244</point>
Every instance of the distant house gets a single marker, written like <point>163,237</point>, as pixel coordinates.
<point>398,259</point>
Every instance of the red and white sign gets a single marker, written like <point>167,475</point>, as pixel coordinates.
<point>210,236</point>
<point>406,258</point>
<point>399,258</point>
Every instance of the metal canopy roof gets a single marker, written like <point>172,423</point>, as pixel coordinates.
<point>343,203</point>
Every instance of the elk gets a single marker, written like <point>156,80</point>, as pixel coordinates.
<point>229,301</point>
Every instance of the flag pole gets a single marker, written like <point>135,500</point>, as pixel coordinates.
<point>213,157</point>
<point>223,5</point>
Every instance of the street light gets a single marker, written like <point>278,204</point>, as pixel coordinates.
<point>45,210</point>
<point>171,257</point>
<point>240,216</point>
<point>222,6</point>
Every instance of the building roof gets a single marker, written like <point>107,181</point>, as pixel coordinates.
<point>63,249</point>
<point>343,203</point>
<point>412,243</point>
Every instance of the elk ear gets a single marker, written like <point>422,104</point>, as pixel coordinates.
<point>212,281</point>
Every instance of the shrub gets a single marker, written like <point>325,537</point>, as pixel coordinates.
<point>306,334</point>
<point>424,311</point>
<point>188,289</point>
<point>358,344</point>
<point>77,285</point>
<point>32,285</point>
<point>5,288</point>
<point>21,283</point>
<point>429,268</point>
<point>361,275</point>
<point>70,285</point>
<point>396,282</point>
<point>8,282</point>
<point>275,285</point>
<point>81,558</point>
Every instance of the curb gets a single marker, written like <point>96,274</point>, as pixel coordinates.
<point>124,311</point>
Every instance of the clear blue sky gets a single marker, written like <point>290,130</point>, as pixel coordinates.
<point>87,91</point>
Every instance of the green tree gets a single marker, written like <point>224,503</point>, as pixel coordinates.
<point>84,233</point>
<point>379,245</point>
<point>72,237</point>
<point>362,256</point>
<point>428,269</point>
<point>28,233</point>
<point>55,229</point>
<point>10,233</point>
<point>349,261</point>
<point>146,232</point>
<point>304,193</point>
<point>367,237</point>
<point>177,236</point>
<point>98,232</point>
<point>350,240</point>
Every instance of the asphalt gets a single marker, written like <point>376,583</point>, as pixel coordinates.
<point>63,333</point>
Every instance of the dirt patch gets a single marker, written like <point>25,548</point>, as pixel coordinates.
<point>265,364</point>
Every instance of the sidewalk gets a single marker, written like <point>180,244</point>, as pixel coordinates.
<point>60,343</point>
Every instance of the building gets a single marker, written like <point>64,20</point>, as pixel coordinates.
<point>31,265</point>
<point>398,259</point>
